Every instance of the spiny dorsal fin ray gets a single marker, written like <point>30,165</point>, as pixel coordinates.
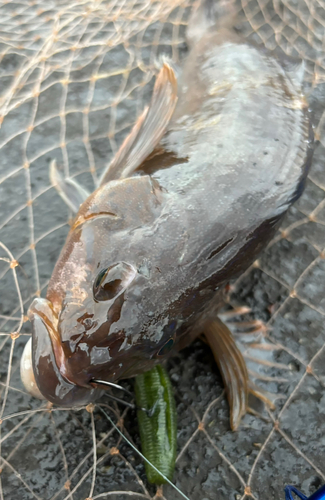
<point>70,191</point>
<point>148,130</point>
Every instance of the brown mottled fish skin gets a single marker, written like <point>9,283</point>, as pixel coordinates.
<point>194,215</point>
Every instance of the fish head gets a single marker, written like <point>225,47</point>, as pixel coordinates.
<point>109,335</point>
<point>104,315</point>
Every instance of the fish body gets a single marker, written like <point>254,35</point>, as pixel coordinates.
<point>175,218</point>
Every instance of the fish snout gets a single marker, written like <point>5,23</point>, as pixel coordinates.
<point>43,362</point>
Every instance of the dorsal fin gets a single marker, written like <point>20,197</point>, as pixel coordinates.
<point>148,130</point>
<point>210,15</point>
<point>70,190</point>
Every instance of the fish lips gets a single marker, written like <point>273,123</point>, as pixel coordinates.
<point>48,367</point>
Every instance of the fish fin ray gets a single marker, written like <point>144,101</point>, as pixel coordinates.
<point>210,15</point>
<point>232,367</point>
<point>148,129</point>
<point>70,191</point>
<point>265,396</point>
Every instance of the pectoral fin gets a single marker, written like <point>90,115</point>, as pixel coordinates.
<point>244,396</point>
<point>232,367</point>
<point>148,130</point>
<point>70,191</point>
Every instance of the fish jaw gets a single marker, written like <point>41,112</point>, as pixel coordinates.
<point>46,375</point>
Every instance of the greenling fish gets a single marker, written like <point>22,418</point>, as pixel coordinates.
<point>195,192</point>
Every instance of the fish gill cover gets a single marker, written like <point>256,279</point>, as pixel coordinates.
<point>73,78</point>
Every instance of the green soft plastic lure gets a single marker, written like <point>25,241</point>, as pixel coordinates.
<point>158,425</point>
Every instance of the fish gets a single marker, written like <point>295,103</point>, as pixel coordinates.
<point>196,191</point>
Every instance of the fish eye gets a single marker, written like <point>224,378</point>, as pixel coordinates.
<point>166,348</point>
<point>112,281</point>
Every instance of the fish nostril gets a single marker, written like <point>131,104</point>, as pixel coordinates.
<point>87,322</point>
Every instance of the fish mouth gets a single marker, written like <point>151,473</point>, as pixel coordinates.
<point>47,374</point>
<point>50,371</point>
<point>41,312</point>
<point>27,372</point>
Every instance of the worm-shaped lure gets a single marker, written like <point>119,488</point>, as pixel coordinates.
<point>158,426</point>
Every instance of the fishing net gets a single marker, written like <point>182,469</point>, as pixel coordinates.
<point>73,78</point>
